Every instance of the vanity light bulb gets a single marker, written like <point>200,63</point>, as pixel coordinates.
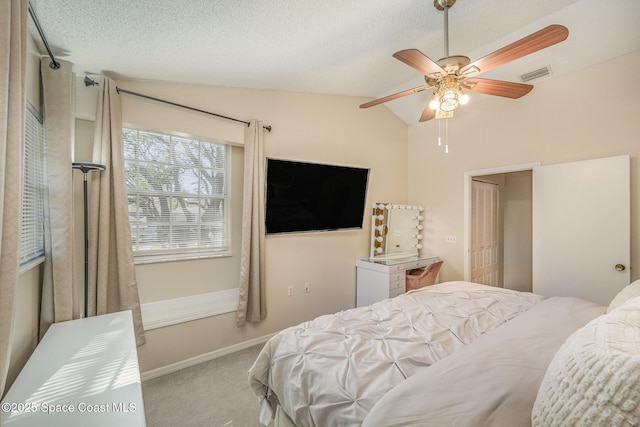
<point>419,237</point>
<point>419,246</point>
<point>380,228</point>
<point>379,250</point>
<point>380,206</point>
<point>419,227</point>
<point>379,239</point>
<point>380,217</point>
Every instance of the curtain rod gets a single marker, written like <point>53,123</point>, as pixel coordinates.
<point>53,64</point>
<point>128,92</point>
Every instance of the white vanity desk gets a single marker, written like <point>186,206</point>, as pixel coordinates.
<point>379,279</point>
<point>83,373</point>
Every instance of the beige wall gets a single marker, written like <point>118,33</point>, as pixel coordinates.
<point>590,114</point>
<point>307,127</point>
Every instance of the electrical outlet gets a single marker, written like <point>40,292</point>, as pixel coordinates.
<point>307,287</point>
<point>290,290</point>
<point>451,239</point>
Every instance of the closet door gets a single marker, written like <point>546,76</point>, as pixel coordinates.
<point>485,246</point>
<point>581,229</point>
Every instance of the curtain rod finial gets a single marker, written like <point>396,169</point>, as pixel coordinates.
<point>89,82</point>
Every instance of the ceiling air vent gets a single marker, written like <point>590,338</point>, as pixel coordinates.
<point>535,74</point>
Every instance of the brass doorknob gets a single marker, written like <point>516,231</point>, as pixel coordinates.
<point>620,267</point>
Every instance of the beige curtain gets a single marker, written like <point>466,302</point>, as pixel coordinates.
<point>112,279</point>
<point>252,305</point>
<point>57,302</point>
<point>13,54</point>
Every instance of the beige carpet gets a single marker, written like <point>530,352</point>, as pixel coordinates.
<point>211,394</point>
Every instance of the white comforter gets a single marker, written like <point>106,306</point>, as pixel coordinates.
<point>332,370</point>
<point>492,382</point>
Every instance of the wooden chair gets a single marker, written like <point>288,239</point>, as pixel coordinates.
<point>419,278</point>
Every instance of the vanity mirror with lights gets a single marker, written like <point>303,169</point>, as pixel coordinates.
<point>397,244</point>
<point>396,231</point>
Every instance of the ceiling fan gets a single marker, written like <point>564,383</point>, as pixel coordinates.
<point>453,75</point>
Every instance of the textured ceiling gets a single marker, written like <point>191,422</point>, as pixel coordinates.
<point>331,46</point>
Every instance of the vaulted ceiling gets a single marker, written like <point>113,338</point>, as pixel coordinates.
<point>329,46</point>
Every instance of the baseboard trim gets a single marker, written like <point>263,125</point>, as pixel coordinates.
<point>174,367</point>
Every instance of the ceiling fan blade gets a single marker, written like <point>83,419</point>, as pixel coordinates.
<point>395,96</point>
<point>532,43</point>
<point>498,88</point>
<point>421,62</point>
<point>428,113</point>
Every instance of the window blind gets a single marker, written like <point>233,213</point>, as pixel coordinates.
<point>177,195</point>
<point>32,225</point>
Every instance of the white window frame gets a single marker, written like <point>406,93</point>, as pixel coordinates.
<point>175,254</point>
<point>32,250</point>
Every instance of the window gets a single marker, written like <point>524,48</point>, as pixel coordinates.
<point>32,227</point>
<point>177,194</point>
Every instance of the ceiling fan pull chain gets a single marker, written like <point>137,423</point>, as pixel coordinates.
<point>446,136</point>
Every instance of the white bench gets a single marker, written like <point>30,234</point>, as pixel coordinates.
<point>83,373</point>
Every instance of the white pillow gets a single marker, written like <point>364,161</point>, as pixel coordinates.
<point>628,292</point>
<point>594,378</point>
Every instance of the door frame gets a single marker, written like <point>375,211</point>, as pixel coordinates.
<point>468,176</point>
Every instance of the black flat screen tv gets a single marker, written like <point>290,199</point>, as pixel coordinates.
<point>304,197</point>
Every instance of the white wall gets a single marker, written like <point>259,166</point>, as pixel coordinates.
<point>307,127</point>
<point>590,114</point>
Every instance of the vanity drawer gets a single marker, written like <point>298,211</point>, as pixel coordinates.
<point>399,283</point>
<point>396,292</point>
<point>425,262</point>
<point>398,268</point>
<point>397,276</point>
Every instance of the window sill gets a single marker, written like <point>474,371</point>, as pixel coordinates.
<point>155,259</point>
<point>31,264</point>
<point>179,310</point>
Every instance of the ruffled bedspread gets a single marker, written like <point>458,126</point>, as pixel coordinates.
<point>333,369</point>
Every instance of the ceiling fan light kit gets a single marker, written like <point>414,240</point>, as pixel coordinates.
<point>453,76</point>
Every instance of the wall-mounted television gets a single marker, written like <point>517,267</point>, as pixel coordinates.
<point>313,197</point>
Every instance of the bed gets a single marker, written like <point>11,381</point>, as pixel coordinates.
<point>453,354</point>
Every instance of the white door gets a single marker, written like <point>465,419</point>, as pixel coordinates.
<point>581,229</point>
<point>485,235</point>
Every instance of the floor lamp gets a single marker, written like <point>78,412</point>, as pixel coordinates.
<point>85,168</point>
